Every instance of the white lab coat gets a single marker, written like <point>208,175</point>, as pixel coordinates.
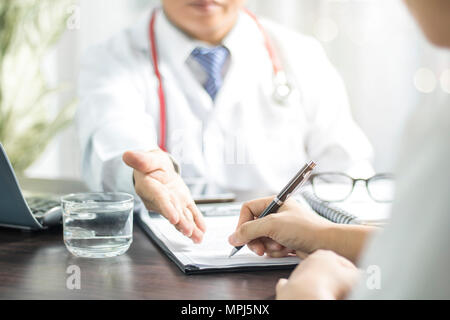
<point>244,141</point>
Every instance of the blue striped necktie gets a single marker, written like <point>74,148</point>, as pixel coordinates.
<point>212,60</point>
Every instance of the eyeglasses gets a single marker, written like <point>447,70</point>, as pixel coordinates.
<point>337,186</point>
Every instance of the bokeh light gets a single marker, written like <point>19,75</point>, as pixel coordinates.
<point>425,80</point>
<point>445,81</point>
<point>326,30</point>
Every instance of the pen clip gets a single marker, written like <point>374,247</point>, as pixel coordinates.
<point>305,178</point>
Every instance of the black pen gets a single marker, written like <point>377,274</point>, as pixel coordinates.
<point>297,181</point>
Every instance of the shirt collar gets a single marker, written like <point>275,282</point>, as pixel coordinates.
<point>175,47</point>
<point>244,37</point>
<point>172,43</point>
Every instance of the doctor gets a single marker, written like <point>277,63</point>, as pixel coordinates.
<point>206,86</point>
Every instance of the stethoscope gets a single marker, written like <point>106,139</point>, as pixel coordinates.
<point>281,92</point>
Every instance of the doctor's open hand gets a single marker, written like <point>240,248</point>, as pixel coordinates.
<point>162,190</point>
<point>293,229</point>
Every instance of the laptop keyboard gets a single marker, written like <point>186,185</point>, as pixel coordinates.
<point>39,206</point>
<point>221,209</point>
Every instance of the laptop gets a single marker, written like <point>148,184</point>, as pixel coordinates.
<point>17,211</point>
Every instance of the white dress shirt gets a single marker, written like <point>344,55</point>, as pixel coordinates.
<point>411,257</point>
<point>243,141</point>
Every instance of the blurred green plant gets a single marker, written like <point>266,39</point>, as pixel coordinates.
<point>29,116</point>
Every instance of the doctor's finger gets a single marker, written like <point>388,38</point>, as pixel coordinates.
<point>198,217</point>
<point>184,226</point>
<point>156,199</point>
<point>252,209</point>
<point>197,232</point>
<point>188,215</point>
<point>168,211</point>
<point>197,235</point>
<point>145,161</point>
<point>186,222</point>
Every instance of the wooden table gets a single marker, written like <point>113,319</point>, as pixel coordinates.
<point>33,265</point>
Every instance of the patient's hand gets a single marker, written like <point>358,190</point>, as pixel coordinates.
<point>295,228</point>
<point>322,275</point>
<point>162,190</point>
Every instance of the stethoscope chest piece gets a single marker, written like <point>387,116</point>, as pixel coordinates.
<point>282,88</point>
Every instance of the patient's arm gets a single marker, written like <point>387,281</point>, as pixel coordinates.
<point>296,228</point>
<point>347,240</point>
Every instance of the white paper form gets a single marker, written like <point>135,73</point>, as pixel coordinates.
<point>214,250</point>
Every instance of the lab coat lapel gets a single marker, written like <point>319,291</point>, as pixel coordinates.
<point>199,100</point>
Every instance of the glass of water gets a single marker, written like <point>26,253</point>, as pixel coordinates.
<point>97,225</point>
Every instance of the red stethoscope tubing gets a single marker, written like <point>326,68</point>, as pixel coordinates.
<point>268,44</point>
<point>161,96</point>
<point>276,65</point>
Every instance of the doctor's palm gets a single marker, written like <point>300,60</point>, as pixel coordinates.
<point>162,190</point>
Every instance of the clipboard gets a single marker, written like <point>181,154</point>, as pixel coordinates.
<point>204,192</point>
<point>212,255</point>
